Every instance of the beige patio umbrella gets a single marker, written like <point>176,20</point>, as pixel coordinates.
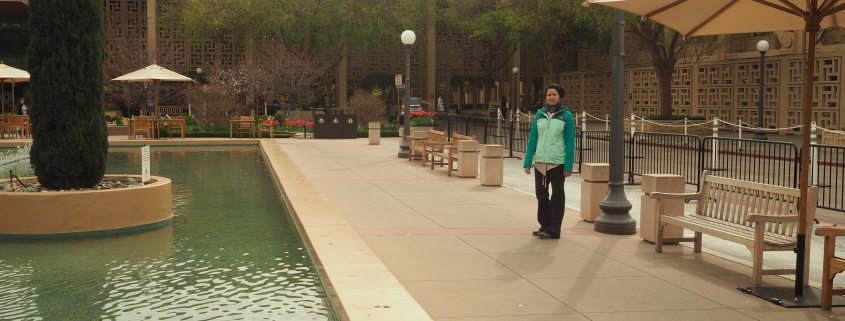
<point>11,75</point>
<point>716,17</point>
<point>155,74</point>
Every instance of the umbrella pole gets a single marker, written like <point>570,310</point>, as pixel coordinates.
<point>3,96</point>
<point>812,28</point>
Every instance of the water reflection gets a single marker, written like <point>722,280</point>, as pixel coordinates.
<point>231,253</point>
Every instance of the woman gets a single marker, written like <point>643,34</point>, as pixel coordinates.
<point>551,148</point>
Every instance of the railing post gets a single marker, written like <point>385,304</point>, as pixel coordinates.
<point>715,150</point>
<point>583,121</point>
<point>606,122</point>
<point>814,154</point>
<point>686,125</point>
<point>633,125</point>
<point>739,121</point>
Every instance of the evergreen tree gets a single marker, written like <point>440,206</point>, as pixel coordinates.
<point>65,60</point>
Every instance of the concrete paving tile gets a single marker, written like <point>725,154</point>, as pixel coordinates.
<point>483,298</point>
<point>684,262</point>
<point>390,221</point>
<point>511,244</point>
<point>450,199</point>
<point>784,314</point>
<point>408,187</point>
<point>478,221</point>
<point>379,198</point>
<point>536,317</point>
<point>565,265</point>
<point>419,244</point>
<point>698,315</point>
<point>622,294</point>
<point>605,243</point>
<point>455,209</point>
<point>351,186</point>
<point>722,288</point>
<point>390,208</point>
<point>438,267</point>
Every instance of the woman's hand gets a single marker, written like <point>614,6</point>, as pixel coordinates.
<point>528,170</point>
<point>567,174</point>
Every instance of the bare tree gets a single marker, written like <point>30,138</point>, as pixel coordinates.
<point>289,75</point>
<point>367,106</point>
<point>213,101</point>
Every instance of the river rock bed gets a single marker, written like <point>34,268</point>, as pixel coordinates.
<point>36,187</point>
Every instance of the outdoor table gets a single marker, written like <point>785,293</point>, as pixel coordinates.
<point>250,121</point>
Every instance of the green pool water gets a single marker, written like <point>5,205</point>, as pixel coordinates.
<point>232,253</point>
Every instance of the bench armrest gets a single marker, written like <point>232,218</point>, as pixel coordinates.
<point>830,231</point>
<point>760,218</point>
<point>675,196</point>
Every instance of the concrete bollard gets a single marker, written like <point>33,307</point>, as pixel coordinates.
<point>375,133</point>
<point>664,183</point>
<point>593,189</point>
<point>468,158</point>
<point>492,165</point>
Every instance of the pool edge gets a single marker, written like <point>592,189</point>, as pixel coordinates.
<point>357,282</point>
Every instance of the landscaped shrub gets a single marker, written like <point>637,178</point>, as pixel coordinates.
<point>65,60</point>
<point>367,106</point>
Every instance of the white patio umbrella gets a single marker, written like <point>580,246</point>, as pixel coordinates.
<point>11,75</point>
<point>155,74</point>
<point>716,17</point>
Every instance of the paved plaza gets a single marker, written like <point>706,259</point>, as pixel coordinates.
<point>463,251</point>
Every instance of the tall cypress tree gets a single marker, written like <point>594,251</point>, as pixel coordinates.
<point>65,60</point>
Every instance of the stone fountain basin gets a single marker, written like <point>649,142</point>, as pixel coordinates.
<point>94,213</point>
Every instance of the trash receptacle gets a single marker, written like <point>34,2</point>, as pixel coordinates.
<point>349,126</point>
<point>494,112</point>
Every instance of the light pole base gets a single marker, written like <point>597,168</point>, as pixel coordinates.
<point>403,148</point>
<point>759,134</point>
<point>615,215</point>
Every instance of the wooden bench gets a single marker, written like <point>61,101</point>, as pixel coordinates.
<point>421,147</point>
<point>449,153</point>
<point>762,217</point>
<point>831,265</point>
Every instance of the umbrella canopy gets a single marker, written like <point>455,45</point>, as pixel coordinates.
<point>12,75</point>
<point>152,73</point>
<point>713,17</point>
<point>155,74</point>
<point>716,17</point>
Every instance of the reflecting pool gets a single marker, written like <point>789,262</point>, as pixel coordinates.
<point>232,253</point>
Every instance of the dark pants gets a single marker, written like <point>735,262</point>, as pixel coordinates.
<point>550,210</point>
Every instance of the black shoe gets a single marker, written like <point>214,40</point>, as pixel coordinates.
<point>537,232</point>
<point>547,235</point>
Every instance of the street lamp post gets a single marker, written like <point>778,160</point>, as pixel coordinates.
<point>615,218</point>
<point>408,38</point>
<point>515,91</point>
<point>759,133</point>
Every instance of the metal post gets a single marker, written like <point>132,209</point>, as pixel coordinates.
<point>606,122</point>
<point>403,151</point>
<point>583,121</point>
<point>615,217</point>
<point>759,133</point>
<point>740,135</point>
<point>686,125</point>
<point>715,151</point>
<point>265,108</point>
<point>814,155</point>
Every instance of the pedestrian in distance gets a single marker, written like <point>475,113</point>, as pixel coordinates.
<point>551,151</point>
<point>22,108</point>
<point>503,105</point>
<point>440,108</point>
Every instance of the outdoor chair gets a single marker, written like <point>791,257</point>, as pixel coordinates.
<point>18,126</point>
<point>245,127</point>
<point>143,124</point>
<point>176,127</point>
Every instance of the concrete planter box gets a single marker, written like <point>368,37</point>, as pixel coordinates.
<point>115,113</point>
<point>118,130</point>
<point>50,215</point>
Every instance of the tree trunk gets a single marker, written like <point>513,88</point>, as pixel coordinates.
<point>664,81</point>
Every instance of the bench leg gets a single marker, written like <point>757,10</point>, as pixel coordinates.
<point>827,274</point>
<point>757,255</point>
<point>658,245</point>
<point>697,247</point>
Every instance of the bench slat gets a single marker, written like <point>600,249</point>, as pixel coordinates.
<point>731,232</point>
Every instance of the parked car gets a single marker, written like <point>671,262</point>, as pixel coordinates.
<point>415,106</point>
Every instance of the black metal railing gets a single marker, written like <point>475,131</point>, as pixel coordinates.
<point>828,172</point>
<point>761,161</point>
<point>664,154</point>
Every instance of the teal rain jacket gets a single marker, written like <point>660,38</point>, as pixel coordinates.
<point>552,140</point>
